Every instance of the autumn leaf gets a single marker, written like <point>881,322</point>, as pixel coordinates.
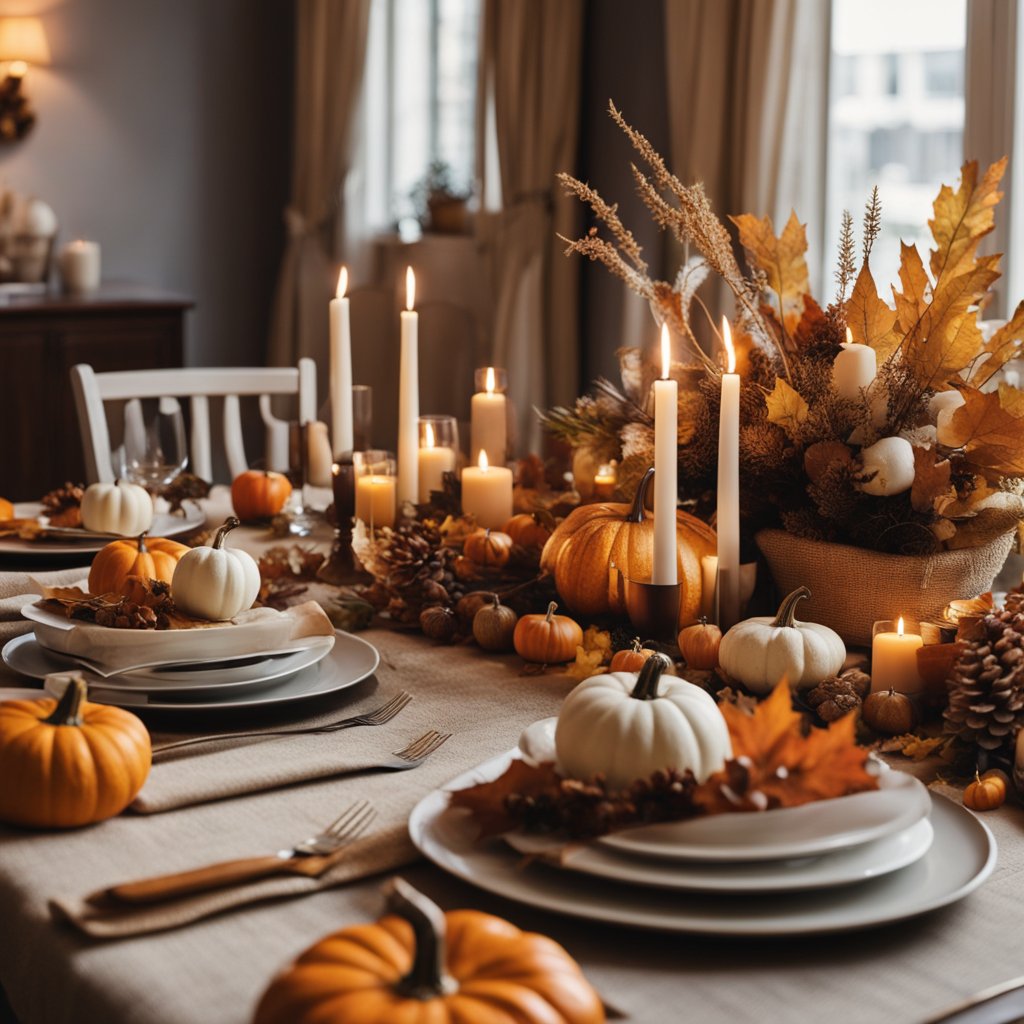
<point>824,454</point>
<point>811,318</point>
<point>782,260</point>
<point>912,301</point>
<point>786,407</point>
<point>587,664</point>
<point>962,218</point>
<point>870,320</point>
<point>931,480</point>
<point>991,435</point>
<point>1003,346</point>
<point>486,801</point>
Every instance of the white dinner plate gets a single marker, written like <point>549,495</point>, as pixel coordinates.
<point>961,857</point>
<point>164,525</point>
<point>26,655</point>
<point>807,831</point>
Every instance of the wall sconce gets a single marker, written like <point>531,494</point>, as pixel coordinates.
<point>22,42</point>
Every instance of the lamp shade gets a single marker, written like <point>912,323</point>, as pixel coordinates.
<point>23,39</point>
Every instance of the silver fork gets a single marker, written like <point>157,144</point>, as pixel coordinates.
<point>378,716</point>
<point>413,755</point>
<point>310,857</point>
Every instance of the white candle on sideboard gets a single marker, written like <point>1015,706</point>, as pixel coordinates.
<point>487,493</point>
<point>409,398</point>
<point>488,430</point>
<point>434,462</point>
<point>341,368</point>
<point>375,500</point>
<point>79,265</point>
<point>665,568</point>
<point>854,368</point>
<point>728,517</point>
<point>894,660</point>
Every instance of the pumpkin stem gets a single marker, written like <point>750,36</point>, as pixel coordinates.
<point>787,610</point>
<point>636,510</point>
<point>647,682</point>
<point>69,708</point>
<point>142,542</point>
<point>552,608</point>
<point>637,646</point>
<point>427,978</point>
<point>222,531</point>
<point>497,601</point>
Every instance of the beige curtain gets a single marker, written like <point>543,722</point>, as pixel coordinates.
<point>330,47</point>
<point>530,70</point>
<point>747,104</point>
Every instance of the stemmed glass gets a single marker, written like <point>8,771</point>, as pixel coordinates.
<point>154,450</point>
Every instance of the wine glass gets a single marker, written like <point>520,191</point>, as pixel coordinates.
<point>154,451</point>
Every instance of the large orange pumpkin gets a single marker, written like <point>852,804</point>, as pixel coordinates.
<point>259,494</point>
<point>152,558</point>
<point>421,966</point>
<point>598,547</point>
<point>69,762</point>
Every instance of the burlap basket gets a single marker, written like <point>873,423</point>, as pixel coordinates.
<point>852,587</point>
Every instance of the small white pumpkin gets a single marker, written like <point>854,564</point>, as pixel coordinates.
<point>759,652</point>
<point>119,507</point>
<point>621,726</point>
<point>887,467</point>
<point>215,582</point>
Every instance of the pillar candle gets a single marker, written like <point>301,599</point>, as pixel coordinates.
<point>409,398</point>
<point>665,567</point>
<point>341,368</point>
<point>488,423</point>
<point>434,462</point>
<point>319,454</point>
<point>854,368</point>
<point>487,493</point>
<point>79,264</point>
<point>605,482</point>
<point>375,500</point>
<point>894,660</point>
<point>728,517</point>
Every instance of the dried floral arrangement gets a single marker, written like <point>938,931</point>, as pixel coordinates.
<point>808,459</point>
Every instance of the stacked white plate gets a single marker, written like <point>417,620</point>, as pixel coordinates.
<point>853,862</point>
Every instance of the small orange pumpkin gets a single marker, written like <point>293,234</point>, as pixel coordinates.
<point>422,966</point>
<point>986,792</point>
<point>259,494</point>
<point>152,558</point>
<point>488,548</point>
<point>74,762</point>
<point>528,530</point>
<point>699,643</point>
<point>6,509</point>
<point>631,659</point>
<point>548,639</point>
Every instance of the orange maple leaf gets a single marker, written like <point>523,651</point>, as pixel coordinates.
<point>486,801</point>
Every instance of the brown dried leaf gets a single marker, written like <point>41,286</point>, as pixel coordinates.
<point>992,436</point>
<point>821,456</point>
<point>1003,346</point>
<point>811,319</point>
<point>870,320</point>
<point>486,800</point>
<point>931,480</point>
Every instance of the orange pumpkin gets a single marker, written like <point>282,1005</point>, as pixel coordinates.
<point>74,762</point>
<point>528,530</point>
<point>488,547</point>
<point>699,643</point>
<point>422,966</point>
<point>6,509</point>
<point>152,558</point>
<point>547,639</point>
<point>259,494</point>
<point>987,792</point>
<point>598,547</point>
<point>631,659</point>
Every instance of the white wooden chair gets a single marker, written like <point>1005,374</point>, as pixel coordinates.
<point>199,385</point>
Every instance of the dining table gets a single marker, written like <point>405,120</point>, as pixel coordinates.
<point>211,960</point>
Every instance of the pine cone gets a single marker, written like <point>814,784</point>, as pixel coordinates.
<point>62,498</point>
<point>986,688</point>
<point>835,697</point>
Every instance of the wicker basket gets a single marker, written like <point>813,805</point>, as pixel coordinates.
<point>852,587</point>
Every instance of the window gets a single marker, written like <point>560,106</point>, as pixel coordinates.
<point>896,117</point>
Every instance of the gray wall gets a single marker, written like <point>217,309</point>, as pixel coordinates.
<point>164,133</point>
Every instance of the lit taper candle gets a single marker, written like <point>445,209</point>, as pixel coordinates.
<point>341,368</point>
<point>665,568</point>
<point>728,596</point>
<point>409,398</point>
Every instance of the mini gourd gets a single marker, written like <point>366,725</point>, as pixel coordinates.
<point>986,792</point>
<point>759,652</point>
<point>216,582</point>
<point>699,644</point>
<point>120,507</point>
<point>625,726</point>
<point>421,966</point>
<point>489,548</point>
<point>547,639</point>
<point>631,659</point>
<point>494,626</point>
<point>152,558</point>
<point>259,494</point>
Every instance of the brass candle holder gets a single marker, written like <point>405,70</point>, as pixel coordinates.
<point>653,608</point>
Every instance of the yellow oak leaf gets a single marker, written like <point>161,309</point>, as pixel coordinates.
<point>783,262</point>
<point>963,218</point>
<point>870,320</point>
<point>786,407</point>
<point>912,301</point>
<point>1003,346</point>
<point>990,432</point>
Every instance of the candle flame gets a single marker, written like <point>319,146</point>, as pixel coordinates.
<point>730,351</point>
<point>482,461</point>
<point>849,336</point>
<point>489,381</point>
<point>342,283</point>
<point>899,627</point>
<point>666,351</point>
<point>429,435</point>
<point>410,289</point>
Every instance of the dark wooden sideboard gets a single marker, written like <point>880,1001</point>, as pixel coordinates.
<point>119,327</point>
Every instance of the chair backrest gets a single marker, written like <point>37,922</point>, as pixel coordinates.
<point>199,385</point>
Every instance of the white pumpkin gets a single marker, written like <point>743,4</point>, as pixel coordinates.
<point>887,467</point>
<point>759,652</point>
<point>215,582</point>
<point>119,507</point>
<point>621,726</point>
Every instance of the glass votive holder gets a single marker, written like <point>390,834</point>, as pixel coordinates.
<point>606,480</point>
<point>362,417</point>
<point>492,380</point>
<point>438,452</point>
<point>894,647</point>
<point>375,489</point>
